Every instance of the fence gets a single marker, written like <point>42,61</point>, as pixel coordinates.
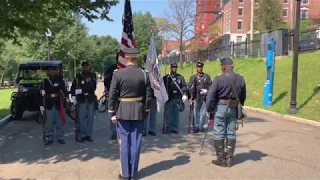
<point>309,41</point>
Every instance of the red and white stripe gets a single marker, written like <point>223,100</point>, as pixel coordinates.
<point>125,43</point>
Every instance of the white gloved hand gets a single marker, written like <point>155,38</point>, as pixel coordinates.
<point>42,109</point>
<point>158,106</point>
<point>43,92</point>
<point>203,91</point>
<point>78,91</point>
<point>207,114</point>
<point>74,100</point>
<point>184,98</point>
<point>114,119</point>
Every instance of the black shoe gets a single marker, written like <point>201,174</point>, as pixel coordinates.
<point>195,130</point>
<point>231,144</point>
<point>88,138</point>
<point>113,137</point>
<point>152,133</point>
<point>61,141</point>
<point>48,142</point>
<point>219,147</point>
<point>82,139</point>
<point>122,178</point>
<point>174,131</point>
<point>144,133</point>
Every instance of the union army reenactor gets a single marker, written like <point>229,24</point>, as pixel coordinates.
<point>131,87</point>
<point>176,88</point>
<point>83,95</point>
<point>107,82</point>
<point>53,90</point>
<point>199,84</point>
<point>223,99</point>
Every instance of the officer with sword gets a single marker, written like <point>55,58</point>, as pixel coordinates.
<point>53,91</point>
<point>198,85</point>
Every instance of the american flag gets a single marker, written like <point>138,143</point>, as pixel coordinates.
<point>127,39</point>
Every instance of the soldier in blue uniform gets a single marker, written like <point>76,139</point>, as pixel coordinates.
<point>129,100</point>
<point>199,84</point>
<point>107,82</point>
<point>176,88</point>
<point>152,116</point>
<point>221,99</point>
<point>83,95</point>
<point>51,90</point>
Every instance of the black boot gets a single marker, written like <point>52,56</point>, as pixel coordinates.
<point>231,144</point>
<point>219,147</point>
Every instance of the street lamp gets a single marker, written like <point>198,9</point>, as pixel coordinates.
<point>293,100</point>
<point>48,34</point>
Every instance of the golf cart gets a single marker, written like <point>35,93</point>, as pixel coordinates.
<point>29,79</point>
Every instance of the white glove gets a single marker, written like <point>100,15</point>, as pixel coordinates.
<point>78,91</point>
<point>43,92</point>
<point>158,106</point>
<point>114,119</point>
<point>74,100</point>
<point>42,109</point>
<point>184,98</point>
<point>203,91</point>
<point>207,114</point>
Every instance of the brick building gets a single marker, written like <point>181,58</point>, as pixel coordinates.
<point>235,16</point>
<point>205,14</point>
<point>168,46</point>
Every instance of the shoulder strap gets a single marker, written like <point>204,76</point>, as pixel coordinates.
<point>234,89</point>
<point>176,84</point>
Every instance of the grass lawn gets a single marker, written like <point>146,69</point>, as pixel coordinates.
<point>5,101</point>
<point>254,72</point>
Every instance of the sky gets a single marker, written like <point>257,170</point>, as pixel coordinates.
<point>114,29</point>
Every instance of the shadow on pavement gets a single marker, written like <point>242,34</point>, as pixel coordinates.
<point>252,155</point>
<point>163,166</point>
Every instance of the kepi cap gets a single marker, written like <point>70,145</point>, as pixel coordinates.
<point>131,52</point>
<point>199,64</point>
<point>173,65</point>
<point>227,61</point>
<point>86,63</point>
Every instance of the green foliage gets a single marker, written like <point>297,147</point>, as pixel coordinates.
<point>269,16</point>
<point>306,29</point>
<point>254,72</point>
<point>26,15</point>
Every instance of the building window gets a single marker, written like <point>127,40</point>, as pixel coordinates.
<point>201,16</point>
<point>304,13</point>
<point>240,24</point>
<point>240,1</point>
<point>240,11</point>
<point>285,1</point>
<point>239,39</point>
<point>285,12</point>
<point>229,27</point>
<point>202,8</point>
<point>305,2</point>
<point>256,1</point>
<point>229,14</point>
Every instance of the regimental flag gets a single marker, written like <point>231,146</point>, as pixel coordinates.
<point>127,40</point>
<point>154,73</point>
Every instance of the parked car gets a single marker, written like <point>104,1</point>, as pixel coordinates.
<point>312,44</point>
<point>29,78</point>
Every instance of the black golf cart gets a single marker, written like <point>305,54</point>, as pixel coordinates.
<point>29,78</point>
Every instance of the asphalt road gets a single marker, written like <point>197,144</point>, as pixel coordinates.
<point>267,148</point>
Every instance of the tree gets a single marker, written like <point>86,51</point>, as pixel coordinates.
<point>26,15</point>
<point>307,29</point>
<point>268,15</point>
<point>215,29</point>
<point>179,21</point>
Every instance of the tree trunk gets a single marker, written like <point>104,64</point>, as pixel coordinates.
<point>2,79</point>
<point>181,59</point>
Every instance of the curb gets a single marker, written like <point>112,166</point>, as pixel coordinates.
<point>284,117</point>
<point>4,120</point>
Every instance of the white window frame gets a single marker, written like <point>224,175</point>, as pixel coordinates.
<point>241,2</point>
<point>242,10</point>
<point>286,2</point>
<point>287,12</point>
<point>241,24</point>
<point>308,1</point>
<point>304,9</point>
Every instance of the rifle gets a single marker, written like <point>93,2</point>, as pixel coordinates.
<point>210,124</point>
<point>191,104</point>
<point>76,119</point>
<point>44,119</point>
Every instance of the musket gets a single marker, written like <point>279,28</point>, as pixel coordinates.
<point>210,123</point>
<point>192,103</point>
<point>44,119</point>
<point>76,119</point>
